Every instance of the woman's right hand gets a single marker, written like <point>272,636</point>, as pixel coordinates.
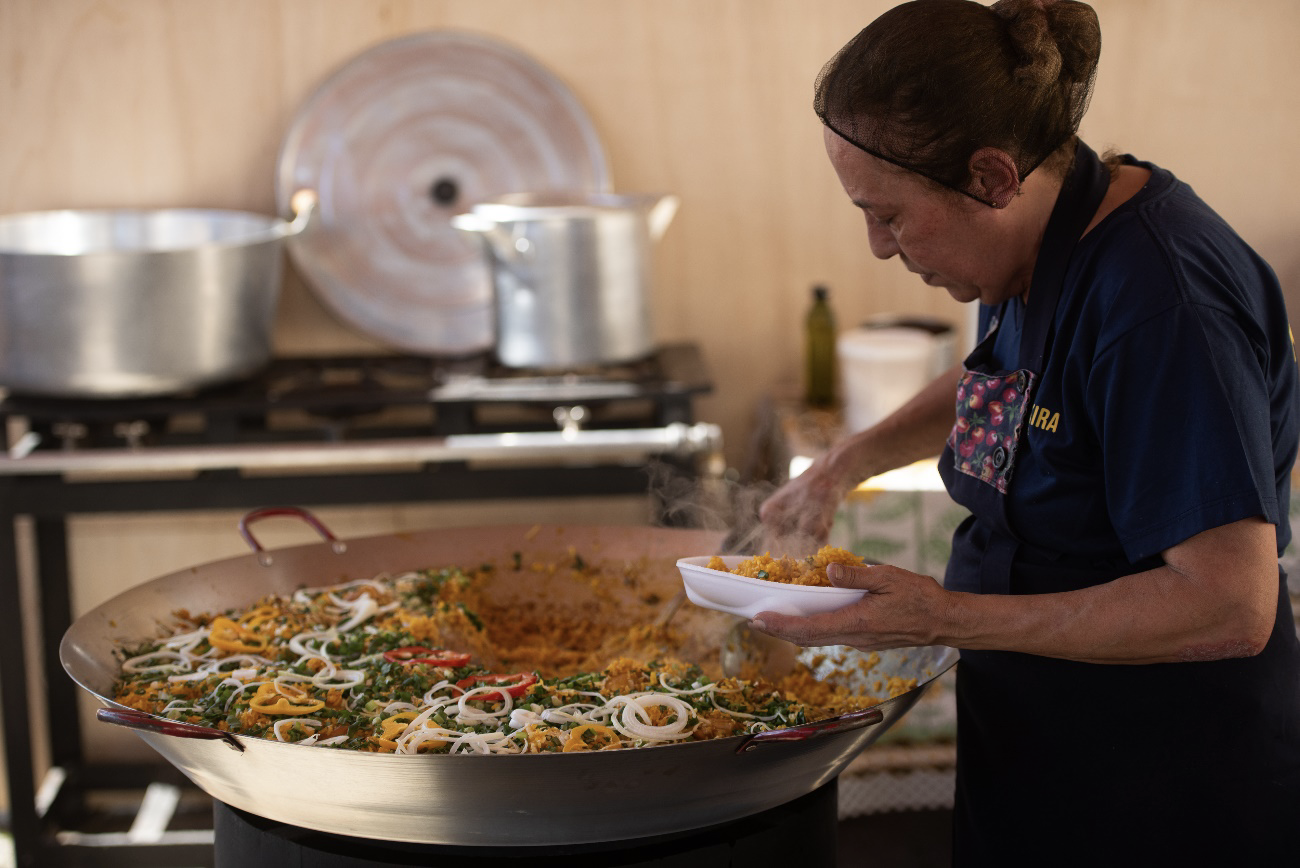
<point>799,515</point>
<point>804,508</point>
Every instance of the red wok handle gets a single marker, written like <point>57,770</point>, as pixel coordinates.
<point>831,726</point>
<point>296,512</point>
<point>139,720</point>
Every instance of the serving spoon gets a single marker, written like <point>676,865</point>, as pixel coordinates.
<point>748,652</point>
<point>740,540</point>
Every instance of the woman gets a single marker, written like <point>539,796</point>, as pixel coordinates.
<point>1129,685</point>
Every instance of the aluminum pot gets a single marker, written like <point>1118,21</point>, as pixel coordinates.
<point>469,800</point>
<point>572,274</point>
<point>121,303</point>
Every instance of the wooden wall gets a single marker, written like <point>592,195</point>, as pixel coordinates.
<point>172,102</point>
<point>185,103</point>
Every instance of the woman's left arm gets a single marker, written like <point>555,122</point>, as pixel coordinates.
<point>1214,598</point>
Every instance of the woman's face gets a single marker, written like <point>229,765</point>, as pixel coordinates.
<point>951,241</point>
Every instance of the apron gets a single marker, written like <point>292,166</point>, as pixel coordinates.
<point>1063,763</point>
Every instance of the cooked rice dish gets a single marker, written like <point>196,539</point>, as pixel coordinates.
<point>810,570</point>
<point>424,662</point>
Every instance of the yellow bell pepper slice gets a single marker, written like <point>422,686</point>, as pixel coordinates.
<point>602,738</point>
<point>254,619</point>
<point>272,698</point>
<point>228,635</point>
<point>391,727</point>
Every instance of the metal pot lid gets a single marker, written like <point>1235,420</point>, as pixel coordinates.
<point>398,140</point>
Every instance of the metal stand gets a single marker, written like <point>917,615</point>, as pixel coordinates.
<point>801,832</point>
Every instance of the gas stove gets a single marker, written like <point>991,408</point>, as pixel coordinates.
<point>372,410</point>
<point>340,398</point>
<point>800,832</point>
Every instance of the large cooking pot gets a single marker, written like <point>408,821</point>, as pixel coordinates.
<point>471,800</point>
<point>572,274</point>
<point>118,303</point>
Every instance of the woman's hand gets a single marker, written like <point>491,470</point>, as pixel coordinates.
<point>900,609</point>
<point>801,512</point>
<point>1214,598</point>
<point>799,515</point>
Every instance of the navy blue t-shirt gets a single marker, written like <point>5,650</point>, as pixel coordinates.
<point>1168,404</point>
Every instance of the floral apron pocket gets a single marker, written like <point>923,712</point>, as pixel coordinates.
<point>991,411</point>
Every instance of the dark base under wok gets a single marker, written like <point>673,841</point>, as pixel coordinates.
<point>801,832</point>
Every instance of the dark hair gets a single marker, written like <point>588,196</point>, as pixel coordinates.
<point>930,82</point>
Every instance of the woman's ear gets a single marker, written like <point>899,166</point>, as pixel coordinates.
<point>994,177</point>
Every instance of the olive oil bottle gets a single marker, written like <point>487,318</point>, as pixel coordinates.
<point>819,342</point>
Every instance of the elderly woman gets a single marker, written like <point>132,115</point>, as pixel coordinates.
<point>1123,436</point>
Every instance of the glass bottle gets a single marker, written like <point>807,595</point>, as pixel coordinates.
<point>819,341</point>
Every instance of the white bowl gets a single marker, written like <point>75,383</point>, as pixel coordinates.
<point>741,595</point>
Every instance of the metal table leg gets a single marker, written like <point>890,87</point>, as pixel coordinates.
<point>25,825</point>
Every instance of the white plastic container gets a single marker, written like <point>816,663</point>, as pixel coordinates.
<point>881,368</point>
<point>746,597</point>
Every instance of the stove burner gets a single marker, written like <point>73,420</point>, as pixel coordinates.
<point>353,397</point>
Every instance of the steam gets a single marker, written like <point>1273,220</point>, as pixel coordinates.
<point>718,500</point>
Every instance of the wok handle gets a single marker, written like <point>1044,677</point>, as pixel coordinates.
<point>140,720</point>
<point>297,512</point>
<point>831,726</point>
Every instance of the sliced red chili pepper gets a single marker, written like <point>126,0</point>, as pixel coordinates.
<point>515,685</point>
<point>432,656</point>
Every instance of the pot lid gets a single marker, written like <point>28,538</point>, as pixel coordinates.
<point>397,141</point>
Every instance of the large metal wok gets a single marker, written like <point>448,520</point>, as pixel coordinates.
<point>538,799</point>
